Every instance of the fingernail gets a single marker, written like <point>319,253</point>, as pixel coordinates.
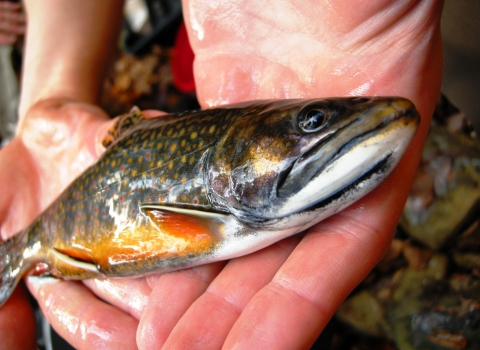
<point>39,281</point>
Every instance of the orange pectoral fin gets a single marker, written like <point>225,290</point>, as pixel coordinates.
<point>201,230</point>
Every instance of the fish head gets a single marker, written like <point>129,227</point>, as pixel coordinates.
<point>284,157</point>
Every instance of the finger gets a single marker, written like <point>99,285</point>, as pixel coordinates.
<point>208,321</point>
<point>16,317</point>
<point>172,295</point>
<point>9,6</point>
<point>12,19</point>
<point>128,294</point>
<point>80,318</point>
<point>7,39</point>
<point>324,268</point>
<point>12,22</point>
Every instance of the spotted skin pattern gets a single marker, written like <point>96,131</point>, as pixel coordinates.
<point>201,186</point>
<point>112,221</point>
<point>98,219</point>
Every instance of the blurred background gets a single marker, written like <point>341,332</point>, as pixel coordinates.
<point>461,39</point>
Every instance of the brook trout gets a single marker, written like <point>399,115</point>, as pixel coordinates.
<point>197,187</point>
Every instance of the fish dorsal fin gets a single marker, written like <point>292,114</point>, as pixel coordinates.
<point>73,260</point>
<point>189,224</point>
<point>123,123</point>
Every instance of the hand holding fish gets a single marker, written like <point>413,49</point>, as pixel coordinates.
<point>283,295</point>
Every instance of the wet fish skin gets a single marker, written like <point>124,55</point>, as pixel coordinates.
<point>202,186</point>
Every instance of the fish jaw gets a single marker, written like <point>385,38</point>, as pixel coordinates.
<point>359,164</point>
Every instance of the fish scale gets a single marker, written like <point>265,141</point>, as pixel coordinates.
<point>196,187</point>
<point>167,168</point>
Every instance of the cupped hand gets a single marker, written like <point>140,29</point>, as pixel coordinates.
<point>56,141</point>
<point>281,296</point>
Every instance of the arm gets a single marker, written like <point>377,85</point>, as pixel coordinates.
<point>68,47</point>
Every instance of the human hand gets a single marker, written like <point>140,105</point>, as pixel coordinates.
<point>56,141</point>
<point>12,22</point>
<point>282,296</point>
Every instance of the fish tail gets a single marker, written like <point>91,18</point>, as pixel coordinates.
<point>11,264</point>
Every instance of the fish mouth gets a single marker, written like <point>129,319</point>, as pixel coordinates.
<point>363,150</point>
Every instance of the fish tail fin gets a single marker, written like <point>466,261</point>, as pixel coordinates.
<point>11,264</point>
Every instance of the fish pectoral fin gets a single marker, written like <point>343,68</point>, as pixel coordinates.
<point>123,123</point>
<point>198,228</point>
<point>69,265</point>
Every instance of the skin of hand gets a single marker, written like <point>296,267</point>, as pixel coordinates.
<point>284,295</point>
<point>12,22</point>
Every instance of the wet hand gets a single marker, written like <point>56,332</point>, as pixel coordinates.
<point>282,296</point>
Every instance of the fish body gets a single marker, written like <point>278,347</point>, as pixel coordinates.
<point>196,187</point>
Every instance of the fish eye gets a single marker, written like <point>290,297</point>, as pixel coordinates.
<point>312,119</point>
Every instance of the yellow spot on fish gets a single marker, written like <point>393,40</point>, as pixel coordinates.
<point>192,160</point>
<point>134,172</point>
<point>162,179</point>
<point>130,161</point>
<point>152,164</point>
<point>140,159</point>
<point>184,198</point>
<point>159,163</point>
<point>170,165</point>
<point>203,130</point>
<point>183,143</point>
<point>194,135</point>
<point>212,129</point>
<point>173,147</point>
<point>144,144</point>
<point>135,149</point>
<point>182,132</point>
<point>200,144</point>
<point>112,163</point>
<point>184,179</point>
<point>184,159</point>
<point>175,176</point>
<point>159,145</point>
<point>169,132</point>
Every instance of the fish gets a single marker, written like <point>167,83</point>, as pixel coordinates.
<point>202,186</point>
